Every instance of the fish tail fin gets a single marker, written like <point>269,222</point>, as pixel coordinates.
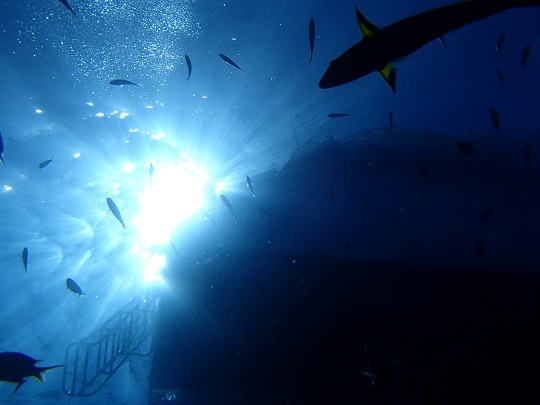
<point>40,370</point>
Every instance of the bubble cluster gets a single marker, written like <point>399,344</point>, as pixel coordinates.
<point>140,40</point>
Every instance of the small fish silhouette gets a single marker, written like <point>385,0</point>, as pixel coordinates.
<point>188,63</point>
<point>73,286</point>
<point>230,62</point>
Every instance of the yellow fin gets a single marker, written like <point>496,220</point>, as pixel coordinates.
<point>388,73</point>
<point>366,27</point>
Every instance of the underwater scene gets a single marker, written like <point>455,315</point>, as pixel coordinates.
<point>244,202</point>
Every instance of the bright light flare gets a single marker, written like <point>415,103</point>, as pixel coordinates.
<point>175,193</point>
<point>219,188</point>
<point>129,167</point>
<point>152,271</point>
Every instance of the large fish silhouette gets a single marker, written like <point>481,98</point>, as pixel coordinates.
<point>15,367</point>
<point>380,47</point>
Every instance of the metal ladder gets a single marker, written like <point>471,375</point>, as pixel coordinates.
<point>89,364</point>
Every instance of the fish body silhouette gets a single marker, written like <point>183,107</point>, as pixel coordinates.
<point>116,212</point>
<point>15,367</point>
<point>73,286</point>
<point>311,38</point>
<point>120,82</point>
<point>188,63</point>
<point>230,62</point>
<point>380,47</point>
<point>25,260</point>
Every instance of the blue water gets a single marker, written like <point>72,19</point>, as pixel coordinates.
<point>349,188</point>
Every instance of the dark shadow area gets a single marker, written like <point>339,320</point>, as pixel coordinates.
<point>283,328</point>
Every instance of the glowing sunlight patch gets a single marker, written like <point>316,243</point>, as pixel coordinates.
<point>152,271</point>
<point>129,167</point>
<point>219,188</point>
<point>175,193</point>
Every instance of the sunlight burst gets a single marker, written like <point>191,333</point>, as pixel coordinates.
<point>175,192</point>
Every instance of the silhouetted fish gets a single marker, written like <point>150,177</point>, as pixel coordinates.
<point>337,115</point>
<point>500,74</point>
<point>500,43</point>
<point>494,118</point>
<point>311,37</point>
<point>228,205</point>
<point>230,62</point>
<point>65,3</point>
<point>466,147</point>
<point>2,149</point>
<point>25,260</point>
<point>188,63</point>
<point>380,47</point>
<point>73,286</point>
<point>116,212</point>
<point>15,367</point>
<point>250,185</point>
<point>151,173</point>
<point>526,54</point>
<point>120,82</point>
<point>44,164</point>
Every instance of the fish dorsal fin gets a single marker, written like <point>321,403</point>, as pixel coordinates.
<point>367,28</point>
<point>388,73</point>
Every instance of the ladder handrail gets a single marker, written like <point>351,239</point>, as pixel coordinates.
<point>106,350</point>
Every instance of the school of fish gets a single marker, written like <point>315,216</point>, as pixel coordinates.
<point>377,51</point>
